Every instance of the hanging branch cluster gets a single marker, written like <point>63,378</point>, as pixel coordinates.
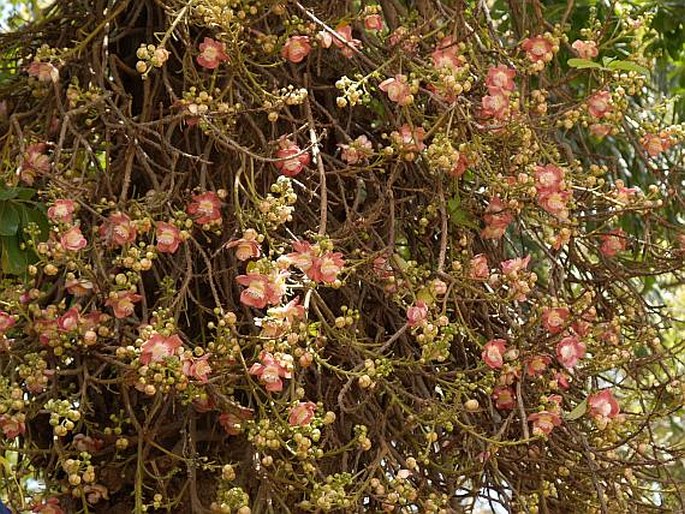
<point>297,256</point>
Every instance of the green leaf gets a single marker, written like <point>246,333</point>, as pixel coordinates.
<point>9,219</point>
<point>22,193</point>
<point>13,260</point>
<point>628,66</point>
<point>35,214</point>
<point>578,412</point>
<point>582,64</point>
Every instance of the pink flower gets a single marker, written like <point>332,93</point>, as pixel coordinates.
<point>288,312</point>
<point>398,90</point>
<point>408,140</point>
<point>324,38</point>
<point>271,371</point>
<point>479,268</point>
<point>460,166</point>
<point>561,380</point>
<point>6,322</point>
<point>247,247</point>
<point>500,79</point>
<point>554,319</point>
<point>497,218</point>
<point>569,351</point>
<point>373,22</point>
<point>446,55</point>
<point>544,422</point>
<point>302,414</point>
<point>197,368</point>
<point>505,398</point>
<point>157,348</point>
<point>12,426</point>
<point>123,303</point>
<point>232,422</point>
<point>296,48</point>
<point>291,158</point>
<point>260,290</point>
<point>613,242</point>
<point>493,353</point>
<point>51,506</point>
<point>600,130</point>
<point>538,49</point>
<point>344,40</point>
<point>118,230</point>
<point>512,267</point>
<point>356,151</point>
<point>205,208</point>
<point>495,105</point>
<point>585,49</point>
<point>417,314</point>
<point>603,405</point>
<point>79,286</point>
<point>43,71</point>
<point>555,202</point>
<point>319,269</point>
<point>599,104</point>
<point>212,53</point>
<point>549,178</point>
<point>655,144</point>
<point>62,210</point>
<point>72,240</point>
<point>34,162</point>
<point>536,365</point>
<point>168,237</point>
<point>69,321</point>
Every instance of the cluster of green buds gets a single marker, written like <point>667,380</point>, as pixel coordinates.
<point>330,495</point>
<point>278,206</point>
<point>352,92</point>
<point>150,56</point>
<point>63,416</point>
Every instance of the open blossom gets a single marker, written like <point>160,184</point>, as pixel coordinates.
<point>554,319</point>
<point>544,422</point>
<point>296,48</point>
<point>123,303</point>
<point>79,286</point>
<point>497,218</point>
<point>599,104</point>
<point>233,422</point>
<point>600,130</point>
<point>291,158</point>
<point>288,312</point>
<point>360,149</point>
<point>261,289</point>
<point>536,365</point>
<point>62,210</point>
<point>43,71</point>
<point>168,237</point>
<point>6,322</point>
<point>373,22</point>
<point>549,178</point>
<point>603,406</point>
<point>417,314</point>
<point>212,53</point>
<point>654,144</point>
<point>197,368</point>
<point>505,398</point>
<point>538,49</point>
<point>493,353</point>
<point>569,351</point>
<point>555,202</point>
<point>324,268</point>
<point>118,229</point>
<point>512,266</point>
<point>302,414</point>
<point>398,89</point>
<point>479,268</point>
<point>69,321</point>
<point>495,105</point>
<point>72,240</point>
<point>446,54</point>
<point>613,243</point>
<point>247,247</point>
<point>343,39</point>
<point>34,162</point>
<point>500,79</point>
<point>12,426</point>
<point>585,49</point>
<point>157,348</point>
<point>409,141</point>
<point>272,369</point>
<point>205,208</point>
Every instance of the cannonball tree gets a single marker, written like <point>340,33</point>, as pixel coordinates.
<point>300,256</point>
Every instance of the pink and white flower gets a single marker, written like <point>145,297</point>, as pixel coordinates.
<point>205,208</point>
<point>118,229</point>
<point>302,414</point>
<point>168,237</point>
<point>123,303</point>
<point>292,160</point>
<point>296,48</point>
<point>62,210</point>
<point>538,49</point>
<point>417,314</point>
<point>585,49</point>
<point>599,104</point>
<point>554,319</point>
<point>212,53</point>
<point>544,422</point>
<point>493,353</point>
<point>157,348</point>
<point>569,351</point>
<point>247,247</point>
<point>72,240</point>
<point>398,89</point>
<point>272,370</point>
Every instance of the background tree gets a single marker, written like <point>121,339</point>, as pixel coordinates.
<point>348,257</point>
